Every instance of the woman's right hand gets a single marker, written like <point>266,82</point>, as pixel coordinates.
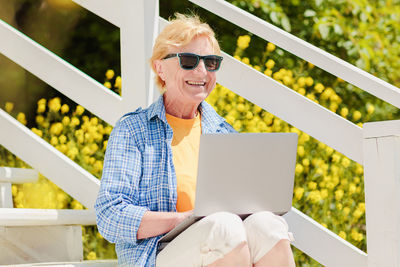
<point>156,223</point>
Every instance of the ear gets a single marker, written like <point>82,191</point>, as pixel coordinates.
<point>159,67</point>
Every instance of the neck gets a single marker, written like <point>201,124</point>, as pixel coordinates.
<point>179,109</point>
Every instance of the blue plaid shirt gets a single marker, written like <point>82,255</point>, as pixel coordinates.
<point>139,175</point>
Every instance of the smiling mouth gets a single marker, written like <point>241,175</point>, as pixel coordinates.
<point>196,83</point>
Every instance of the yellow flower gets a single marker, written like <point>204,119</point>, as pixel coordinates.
<point>314,196</point>
<point>344,112</point>
<point>352,188</point>
<point>357,213</point>
<point>94,121</point>
<point>108,85</point>
<point>91,255</point>
<point>110,74</point>
<point>319,87</point>
<point>21,118</point>
<point>72,153</point>
<point>243,41</point>
<point>301,81</point>
<point>54,141</point>
<point>98,166</point>
<point>356,115</point>
<point>287,80</point>
<point>333,107</point>
<point>42,101</point>
<point>342,235</point>
<point>41,109</point>
<point>346,211</point>
<point>76,205</point>
<point>237,57</point>
<point>64,108</point>
<point>356,235</point>
<point>306,162</point>
<point>9,106</point>
<point>299,168</point>
<point>66,120</point>
<point>249,115</point>
<point>370,109</point>
<point>309,81</point>
<point>324,193</point>
<point>37,131</point>
<point>270,47</point>
<point>75,121</point>
<point>79,110</point>
<point>256,67</point>
<point>246,60</point>
<point>339,194</point>
<point>270,64</point>
<point>14,190</point>
<point>298,192</point>
<point>55,104</point>
<point>118,82</point>
<point>345,162</point>
<point>339,206</point>
<point>300,151</point>
<point>302,91</point>
<point>312,185</point>
<point>105,144</point>
<point>63,139</point>
<point>56,128</point>
<point>39,119</point>
<point>329,150</point>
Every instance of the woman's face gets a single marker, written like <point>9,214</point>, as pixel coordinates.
<point>190,86</point>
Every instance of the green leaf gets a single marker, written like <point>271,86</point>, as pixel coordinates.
<point>274,17</point>
<point>338,29</point>
<point>286,24</point>
<point>309,13</point>
<point>323,30</point>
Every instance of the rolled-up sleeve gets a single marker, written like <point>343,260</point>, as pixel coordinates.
<point>118,215</point>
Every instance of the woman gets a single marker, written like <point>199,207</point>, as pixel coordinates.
<point>150,169</point>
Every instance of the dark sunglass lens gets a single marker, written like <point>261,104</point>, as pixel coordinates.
<point>212,63</point>
<point>188,62</point>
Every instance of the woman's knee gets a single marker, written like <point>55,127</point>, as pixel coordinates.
<point>264,230</point>
<point>225,233</point>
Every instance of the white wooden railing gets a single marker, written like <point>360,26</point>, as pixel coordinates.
<point>139,23</point>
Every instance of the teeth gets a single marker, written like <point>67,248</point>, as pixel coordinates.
<point>196,83</point>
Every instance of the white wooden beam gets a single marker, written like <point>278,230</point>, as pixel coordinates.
<point>134,39</point>
<point>290,106</point>
<point>53,164</point>
<point>304,50</point>
<point>321,244</point>
<point>59,74</point>
<point>32,217</point>
<point>18,175</point>
<point>382,192</point>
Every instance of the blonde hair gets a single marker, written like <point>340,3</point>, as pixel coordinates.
<point>180,31</point>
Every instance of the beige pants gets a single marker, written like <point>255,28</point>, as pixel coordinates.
<point>216,235</point>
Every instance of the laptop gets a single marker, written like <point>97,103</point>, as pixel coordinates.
<point>243,174</point>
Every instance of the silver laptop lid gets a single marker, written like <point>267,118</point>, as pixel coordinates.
<point>246,173</point>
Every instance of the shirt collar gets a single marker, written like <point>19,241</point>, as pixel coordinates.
<point>210,120</point>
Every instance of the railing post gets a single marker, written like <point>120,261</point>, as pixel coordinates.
<point>138,28</point>
<point>382,192</point>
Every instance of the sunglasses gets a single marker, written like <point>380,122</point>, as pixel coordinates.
<point>189,61</point>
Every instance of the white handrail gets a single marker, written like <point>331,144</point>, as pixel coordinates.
<point>321,244</point>
<point>301,112</point>
<point>31,217</point>
<point>60,74</point>
<point>18,175</point>
<point>60,169</point>
<point>304,50</point>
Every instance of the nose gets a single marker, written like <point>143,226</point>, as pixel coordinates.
<point>201,67</point>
